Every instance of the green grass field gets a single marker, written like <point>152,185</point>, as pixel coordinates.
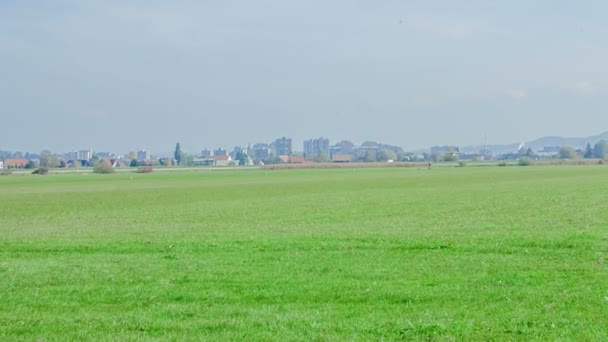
<point>484,253</point>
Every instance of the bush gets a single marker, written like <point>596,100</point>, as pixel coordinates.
<point>103,166</point>
<point>6,172</point>
<point>462,163</point>
<point>502,164</point>
<point>145,169</point>
<point>41,171</point>
<point>30,165</point>
<point>450,158</point>
<point>524,161</point>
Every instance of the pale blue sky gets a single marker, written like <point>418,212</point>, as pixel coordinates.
<point>124,75</point>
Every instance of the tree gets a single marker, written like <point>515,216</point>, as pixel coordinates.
<point>524,161</point>
<point>567,152</point>
<point>41,171</point>
<point>600,149</point>
<point>521,152</point>
<point>241,156</point>
<point>178,154</point>
<point>47,159</point>
<point>166,161</point>
<point>103,166</point>
<point>437,157</point>
<point>386,155</point>
<point>450,157</point>
<point>187,159</point>
<point>134,163</point>
<point>588,152</point>
<point>370,156</point>
<point>322,156</point>
<point>272,159</point>
<point>530,153</point>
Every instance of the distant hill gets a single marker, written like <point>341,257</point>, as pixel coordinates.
<point>540,143</point>
<point>560,141</point>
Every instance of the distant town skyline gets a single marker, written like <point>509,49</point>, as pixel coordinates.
<point>121,76</point>
<point>315,146</point>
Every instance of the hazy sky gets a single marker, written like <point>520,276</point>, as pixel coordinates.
<point>123,75</point>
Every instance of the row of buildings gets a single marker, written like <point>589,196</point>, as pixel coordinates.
<point>268,152</point>
<point>314,150</point>
<point>278,151</point>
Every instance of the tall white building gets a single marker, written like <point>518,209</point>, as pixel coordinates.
<point>143,155</point>
<point>315,147</point>
<point>282,146</point>
<point>85,154</point>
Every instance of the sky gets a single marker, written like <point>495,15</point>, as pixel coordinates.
<point>120,75</point>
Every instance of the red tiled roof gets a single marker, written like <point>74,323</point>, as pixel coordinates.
<point>291,159</point>
<point>8,163</point>
<point>296,159</point>
<point>341,158</point>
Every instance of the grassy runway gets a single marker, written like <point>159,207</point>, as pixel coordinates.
<point>512,253</point>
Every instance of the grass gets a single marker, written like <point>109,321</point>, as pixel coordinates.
<point>338,254</point>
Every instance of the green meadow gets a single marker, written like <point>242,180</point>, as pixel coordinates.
<point>447,254</point>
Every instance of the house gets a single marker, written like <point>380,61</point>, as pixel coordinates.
<point>342,158</point>
<point>205,153</point>
<point>147,162</point>
<point>15,163</point>
<point>205,161</point>
<point>220,152</point>
<point>286,159</point>
<point>116,162</point>
<point>548,152</point>
<point>111,161</point>
<point>224,161</point>
<point>296,159</point>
